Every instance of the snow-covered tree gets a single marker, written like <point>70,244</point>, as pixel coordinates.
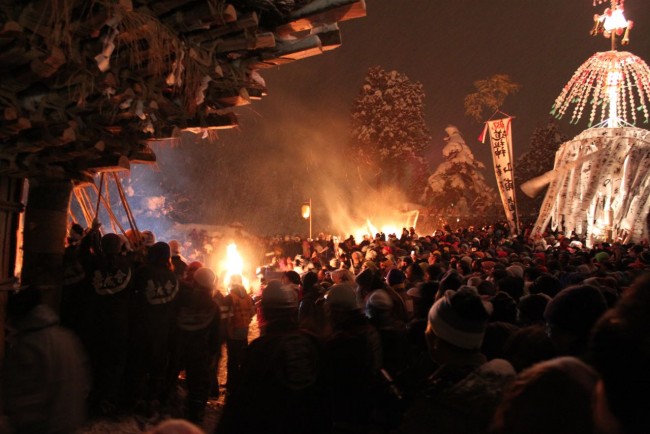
<point>389,132</point>
<point>539,159</point>
<point>491,94</point>
<point>457,187</point>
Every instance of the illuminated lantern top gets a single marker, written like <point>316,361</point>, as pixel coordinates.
<point>613,23</point>
<point>616,84</point>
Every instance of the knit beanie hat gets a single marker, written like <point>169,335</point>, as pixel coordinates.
<point>158,252</point>
<point>379,300</point>
<point>365,278</point>
<point>451,280</point>
<point>341,297</point>
<point>531,308</point>
<point>576,309</point>
<point>279,296</point>
<point>111,244</point>
<point>460,318</point>
<point>515,271</point>
<point>601,257</point>
<point>395,277</point>
<point>204,277</point>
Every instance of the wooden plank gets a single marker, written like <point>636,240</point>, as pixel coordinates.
<point>330,39</point>
<point>289,51</point>
<point>212,122</point>
<point>258,41</point>
<point>161,7</point>
<point>323,12</point>
<point>246,22</point>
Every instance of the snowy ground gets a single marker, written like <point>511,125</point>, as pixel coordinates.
<point>132,425</point>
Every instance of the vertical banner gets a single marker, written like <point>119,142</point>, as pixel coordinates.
<point>501,140</point>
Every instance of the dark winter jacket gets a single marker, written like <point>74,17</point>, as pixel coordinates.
<point>459,399</point>
<point>354,360</point>
<point>45,378</point>
<point>282,388</point>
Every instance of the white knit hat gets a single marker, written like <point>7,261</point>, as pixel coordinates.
<point>460,318</point>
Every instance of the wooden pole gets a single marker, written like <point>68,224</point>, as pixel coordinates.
<point>46,224</point>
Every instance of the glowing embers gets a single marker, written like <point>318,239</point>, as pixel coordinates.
<point>616,84</point>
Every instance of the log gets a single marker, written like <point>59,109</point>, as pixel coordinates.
<point>258,41</point>
<point>109,163</point>
<point>330,38</point>
<point>289,51</point>
<point>212,122</point>
<point>236,98</point>
<point>323,12</point>
<point>246,22</point>
<point>200,17</point>
<point>143,155</point>
<point>162,7</point>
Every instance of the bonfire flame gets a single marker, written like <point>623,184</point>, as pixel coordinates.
<point>234,267</point>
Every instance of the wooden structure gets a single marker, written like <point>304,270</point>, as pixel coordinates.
<point>87,85</point>
<point>84,83</point>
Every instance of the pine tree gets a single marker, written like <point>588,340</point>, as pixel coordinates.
<point>539,159</point>
<point>457,188</point>
<point>491,94</point>
<point>389,132</point>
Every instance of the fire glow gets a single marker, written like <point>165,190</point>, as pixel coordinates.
<point>387,228</point>
<point>233,266</point>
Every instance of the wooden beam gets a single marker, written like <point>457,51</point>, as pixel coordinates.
<point>199,17</point>
<point>246,22</point>
<point>321,12</point>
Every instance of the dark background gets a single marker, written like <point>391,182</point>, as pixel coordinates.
<point>291,145</point>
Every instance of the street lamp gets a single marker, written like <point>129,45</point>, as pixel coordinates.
<point>306,214</point>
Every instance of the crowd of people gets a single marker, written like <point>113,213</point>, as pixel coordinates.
<point>459,331</point>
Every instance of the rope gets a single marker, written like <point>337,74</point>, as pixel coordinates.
<point>107,203</point>
<point>111,215</point>
<point>88,205</point>
<point>127,208</point>
<point>82,205</point>
<point>99,194</point>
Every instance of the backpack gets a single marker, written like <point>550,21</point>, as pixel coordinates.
<point>242,314</point>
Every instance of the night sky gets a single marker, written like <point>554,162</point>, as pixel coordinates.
<point>291,144</point>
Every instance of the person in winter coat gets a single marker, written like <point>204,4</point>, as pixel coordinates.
<point>463,393</point>
<point>178,262</point>
<point>242,310</point>
<point>354,361</point>
<point>74,278</point>
<point>392,331</point>
<point>110,279</point>
<point>156,288</point>
<point>282,387</point>
<point>45,375</point>
<point>310,310</point>
<point>225,312</point>
<point>196,340</point>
